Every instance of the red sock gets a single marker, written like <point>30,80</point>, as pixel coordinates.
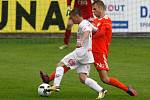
<point>52,76</point>
<point>116,83</point>
<point>67,36</point>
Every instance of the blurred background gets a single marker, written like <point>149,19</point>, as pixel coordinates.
<point>47,18</point>
<point>31,32</point>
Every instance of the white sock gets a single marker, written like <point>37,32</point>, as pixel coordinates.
<point>58,76</point>
<point>93,84</point>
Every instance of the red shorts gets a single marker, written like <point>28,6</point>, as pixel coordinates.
<point>100,61</point>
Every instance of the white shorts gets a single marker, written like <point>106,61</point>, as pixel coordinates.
<point>84,69</point>
<point>79,58</point>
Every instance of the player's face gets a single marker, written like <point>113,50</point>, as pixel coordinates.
<point>74,19</point>
<point>96,10</point>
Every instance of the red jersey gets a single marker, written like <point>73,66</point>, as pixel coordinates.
<point>85,6</point>
<point>102,38</point>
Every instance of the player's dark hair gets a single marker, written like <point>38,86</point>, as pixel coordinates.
<point>100,3</point>
<point>76,11</point>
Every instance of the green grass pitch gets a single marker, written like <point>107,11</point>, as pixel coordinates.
<point>21,60</point>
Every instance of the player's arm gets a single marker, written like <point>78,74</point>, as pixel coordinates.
<point>102,30</point>
<point>94,28</point>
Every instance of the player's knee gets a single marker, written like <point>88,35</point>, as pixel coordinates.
<point>105,80</point>
<point>83,78</point>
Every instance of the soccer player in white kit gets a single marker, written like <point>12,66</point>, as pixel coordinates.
<point>81,58</point>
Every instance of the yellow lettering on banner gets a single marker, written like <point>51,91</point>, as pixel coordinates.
<point>33,16</point>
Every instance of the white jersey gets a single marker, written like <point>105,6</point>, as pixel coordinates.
<point>83,55</point>
<point>85,26</point>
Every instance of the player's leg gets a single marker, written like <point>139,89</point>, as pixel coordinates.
<point>102,68</point>
<point>46,79</point>
<point>68,61</point>
<point>83,75</point>
<point>93,85</point>
<point>67,34</point>
<point>68,31</point>
<point>111,80</point>
<point>52,76</point>
<point>58,77</point>
<point>66,66</point>
<point>115,82</point>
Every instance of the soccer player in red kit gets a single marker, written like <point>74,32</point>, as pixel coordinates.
<point>86,9</point>
<point>100,45</point>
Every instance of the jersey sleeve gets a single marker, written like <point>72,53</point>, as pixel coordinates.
<point>86,28</point>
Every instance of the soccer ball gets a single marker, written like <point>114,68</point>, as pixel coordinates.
<point>43,90</point>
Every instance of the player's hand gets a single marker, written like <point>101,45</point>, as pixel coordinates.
<point>91,19</point>
<point>68,11</point>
